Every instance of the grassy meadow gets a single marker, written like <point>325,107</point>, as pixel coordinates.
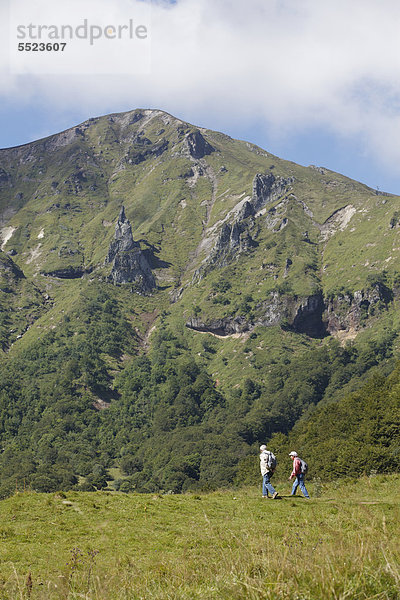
<point>231,544</point>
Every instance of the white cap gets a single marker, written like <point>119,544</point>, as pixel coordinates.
<point>293,454</point>
<point>263,447</point>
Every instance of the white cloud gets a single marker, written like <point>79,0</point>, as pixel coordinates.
<point>292,64</point>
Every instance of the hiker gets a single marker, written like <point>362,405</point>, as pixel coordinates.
<point>299,472</point>
<point>267,465</point>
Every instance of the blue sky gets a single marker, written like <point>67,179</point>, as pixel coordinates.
<point>316,83</point>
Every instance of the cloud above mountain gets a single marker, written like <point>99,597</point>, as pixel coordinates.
<point>290,64</point>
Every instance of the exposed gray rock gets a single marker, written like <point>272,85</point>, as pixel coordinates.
<point>142,149</point>
<point>8,266</point>
<point>223,327</point>
<point>268,188</point>
<point>239,235</point>
<point>232,241</point>
<point>274,219</point>
<point>283,224</point>
<point>319,169</point>
<point>311,315</point>
<point>67,272</point>
<point>395,220</point>
<point>262,188</point>
<point>129,262</point>
<point>137,116</point>
<point>272,311</point>
<point>132,267</point>
<point>308,317</point>
<point>176,294</point>
<point>123,241</point>
<point>303,315</point>
<point>288,264</point>
<point>197,146</point>
<point>347,311</point>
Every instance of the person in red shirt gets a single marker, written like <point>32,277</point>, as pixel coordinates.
<point>299,476</point>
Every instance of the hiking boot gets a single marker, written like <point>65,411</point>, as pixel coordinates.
<point>274,495</point>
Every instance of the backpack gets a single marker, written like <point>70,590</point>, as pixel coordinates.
<point>271,461</point>
<point>303,466</point>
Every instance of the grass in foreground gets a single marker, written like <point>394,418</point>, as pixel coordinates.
<point>223,545</point>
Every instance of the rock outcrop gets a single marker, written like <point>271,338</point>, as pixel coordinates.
<point>142,149</point>
<point>67,272</point>
<point>232,241</point>
<point>349,311</point>
<point>238,233</point>
<point>221,327</point>
<point>8,268</point>
<point>303,315</point>
<point>312,315</point>
<point>123,241</point>
<point>308,317</point>
<point>266,189</point>
<point>197,146</point>
<point>129,262</point>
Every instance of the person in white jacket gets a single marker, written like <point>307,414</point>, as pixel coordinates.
<point>266,472</point>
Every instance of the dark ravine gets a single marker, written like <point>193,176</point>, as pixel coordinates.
<point>308,318</point>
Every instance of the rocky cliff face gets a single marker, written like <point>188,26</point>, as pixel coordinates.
<point>197,146</point>
<point>221,327</point>
<point>238,233</point>
<point>8,269</point>
<point>303,315</point>
<point>348,311</point>
<point>312,315</point>
<point>266,189</point>
<point>142,149</point>
<point>9,273</point>
<point>308,317</point>
<point>123,241</point>
<point>129,263</point>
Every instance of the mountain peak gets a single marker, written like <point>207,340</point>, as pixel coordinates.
<point>122,216</point>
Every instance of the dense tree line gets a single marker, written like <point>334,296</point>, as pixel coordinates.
<point>167,425</point>
<point>358,435</point>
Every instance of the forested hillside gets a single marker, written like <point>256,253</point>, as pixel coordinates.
<point>171,297</point>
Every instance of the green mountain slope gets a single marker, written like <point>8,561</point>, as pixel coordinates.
<point>167,288</point>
